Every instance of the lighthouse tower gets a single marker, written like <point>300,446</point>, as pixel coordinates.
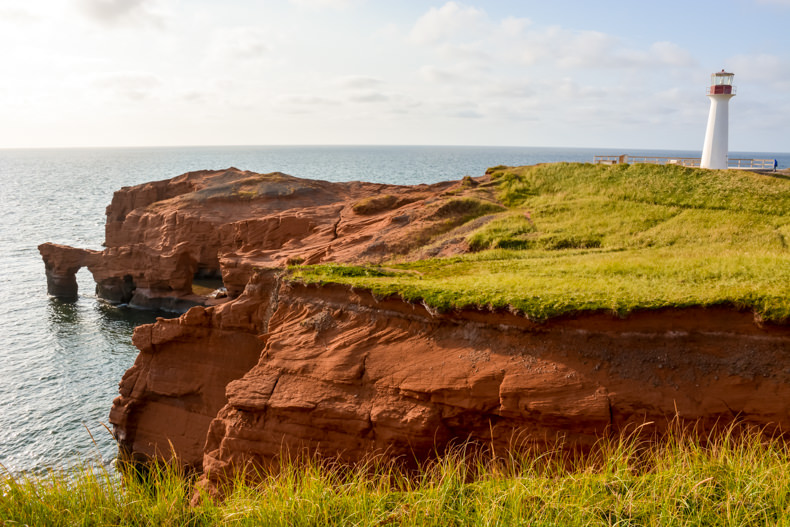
<point>714,151</point>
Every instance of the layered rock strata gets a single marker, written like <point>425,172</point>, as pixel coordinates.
<point>342,373</point>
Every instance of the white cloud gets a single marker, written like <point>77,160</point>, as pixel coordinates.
<point>573,49</point>
<point>449,22</point>
<point>461,66</point>
<point>569,88</point>
<point>302,103</point>
<point>14,12</point>
<point>133,86</point>
<point>512,26</point>
<point>330,4</point>
<point>194,96</point>
<point>17,15</point>
<point>120,12</point>
<point>241,53</point>
<point>476,54</point>
<point>515,70</point>
<point>441,75</point>
<point>468,114</point>
<point>510,90</point>
<point>467,36</point>
<point>306,100</point>
<point>357,82</point>
<point>760,68</point>
<point>583,49</point>
<point>244,43</point>
<point>671,54</point>
<point>431,72</point>
<point>368,96</point>
<point>362,89</point>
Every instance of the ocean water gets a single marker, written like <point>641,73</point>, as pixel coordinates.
<point>60,363</point>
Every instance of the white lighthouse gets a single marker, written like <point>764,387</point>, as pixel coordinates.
<point>714,151</point>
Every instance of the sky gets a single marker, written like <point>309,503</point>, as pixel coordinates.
<point>607,74</point>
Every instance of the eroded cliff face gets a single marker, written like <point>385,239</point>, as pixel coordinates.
<point>339,372</point>
<point>284,366</point>
<point>160,236</point>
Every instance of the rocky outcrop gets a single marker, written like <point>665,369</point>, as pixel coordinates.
<point>282,365</point>
<point>160,236</point>
<point>61,264</point>
<point>177,386</point>
<point>342,373</point>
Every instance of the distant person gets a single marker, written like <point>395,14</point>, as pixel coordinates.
<point>776,165</point>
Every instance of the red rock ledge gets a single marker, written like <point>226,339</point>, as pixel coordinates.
<point>283,365</point>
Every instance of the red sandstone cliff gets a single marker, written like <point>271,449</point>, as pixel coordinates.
<point>285,365</point>
<point>161,235</point>
<point>342,373</point>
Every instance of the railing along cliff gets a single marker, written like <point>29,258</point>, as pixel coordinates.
<point>736,163</point>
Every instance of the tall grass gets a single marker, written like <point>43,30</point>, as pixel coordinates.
<point>735,477</point>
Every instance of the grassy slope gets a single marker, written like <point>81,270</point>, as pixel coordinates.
<point>582,237</point>
<point>738,478</point>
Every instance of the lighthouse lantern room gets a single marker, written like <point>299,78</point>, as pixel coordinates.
<point>721,82</point>
<point>714,151</point>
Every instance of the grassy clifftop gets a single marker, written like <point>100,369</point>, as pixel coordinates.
<point>580,237</point>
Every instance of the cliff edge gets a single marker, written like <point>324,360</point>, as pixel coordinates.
<point>301,355</point>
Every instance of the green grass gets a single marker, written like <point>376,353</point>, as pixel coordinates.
<point>582,237</point>
<point>735,477</point>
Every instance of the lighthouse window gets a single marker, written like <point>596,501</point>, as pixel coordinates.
<point>721,80</point>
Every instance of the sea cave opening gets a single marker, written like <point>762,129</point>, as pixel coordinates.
<point>208,282</point>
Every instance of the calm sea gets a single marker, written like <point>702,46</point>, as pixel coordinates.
<point>60,363</point>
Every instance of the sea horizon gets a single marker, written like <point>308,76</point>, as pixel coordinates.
<point>378,145</point>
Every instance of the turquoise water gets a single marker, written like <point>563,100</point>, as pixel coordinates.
<point>60,363</point>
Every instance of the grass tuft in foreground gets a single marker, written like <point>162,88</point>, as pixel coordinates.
<point>738,477</point>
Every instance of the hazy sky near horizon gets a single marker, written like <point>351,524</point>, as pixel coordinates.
<point>611,73</point>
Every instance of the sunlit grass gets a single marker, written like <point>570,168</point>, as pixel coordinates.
<point>618,238</point>
<point>737,476</point>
